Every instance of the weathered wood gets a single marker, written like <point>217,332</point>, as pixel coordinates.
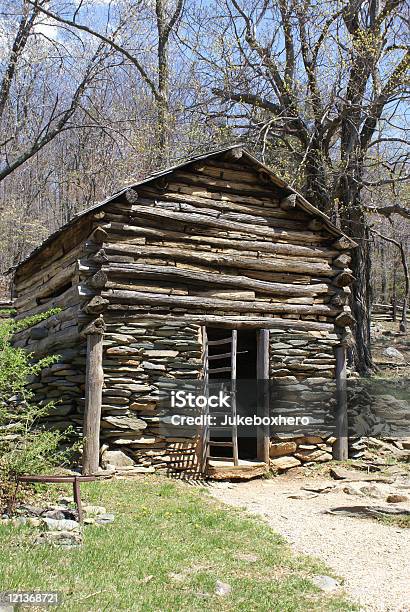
<point>131,195</point>
<point>316,225</point>
<point>193,219</point>
<point>343,279</point>
<point>234,351</point>
<point>242,282</point>
<point>98,280</point>
<point>233,154</point>
<point>342,261</point>
<point>98,235</point>
<point>129,312</point>
<point>341,445</point>
<point>345,319</point>
<point>204,245</point>
<point>343,244</point>
<point>96,305</point>
<point>273,264</point>
<point>231,186</point>
<point>99,257</point>
<point>232,243</point>
<point>94,380</point>
<point>262,371</point>
<point>190,302</point>
<point>288,203</point>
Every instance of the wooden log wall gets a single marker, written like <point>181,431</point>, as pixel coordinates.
<point>49,280</point>
<point>216,245</point>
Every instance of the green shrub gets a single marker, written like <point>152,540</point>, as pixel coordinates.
<point>26,447</point>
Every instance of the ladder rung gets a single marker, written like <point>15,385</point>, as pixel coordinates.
<point>220,443</point>
<point>221,356</point>
<point>220,458</point>
<point>216,370</point>
<point>218,342</point>
<point>224,355</point>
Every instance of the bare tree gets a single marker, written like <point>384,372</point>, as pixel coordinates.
<point>403,257</point>
<point>124,40</point>
<point>32,113</point>
<point>321,82</point>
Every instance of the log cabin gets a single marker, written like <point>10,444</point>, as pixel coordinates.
<point>214,265</point>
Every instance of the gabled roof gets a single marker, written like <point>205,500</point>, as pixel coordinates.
<point>246,156</point>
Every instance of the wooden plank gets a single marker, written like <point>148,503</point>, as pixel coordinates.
<point>94,380</point>
<point>219,342</point>
<point>234,350</point>
<point>185,275</point>
<point>203,447</point>
<point>341,446</point>
<point>232,260</point>
<point>262,372</point>
<point>192,303</point>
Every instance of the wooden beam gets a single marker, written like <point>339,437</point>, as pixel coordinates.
<point>341,446</point>
<point>288,203</point>
<point>233,154</point>
<point>262,369</point>
<point>94,380</point>
<point>234,350</point>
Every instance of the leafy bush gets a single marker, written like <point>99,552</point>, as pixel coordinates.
<point>25,446</point>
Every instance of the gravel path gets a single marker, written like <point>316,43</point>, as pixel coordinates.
<point>372,558</point>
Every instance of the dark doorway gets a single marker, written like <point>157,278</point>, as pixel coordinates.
<point>246,369</point>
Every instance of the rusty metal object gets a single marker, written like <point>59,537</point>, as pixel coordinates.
<point>75,480</point>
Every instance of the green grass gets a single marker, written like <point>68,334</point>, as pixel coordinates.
<point>165,551</point>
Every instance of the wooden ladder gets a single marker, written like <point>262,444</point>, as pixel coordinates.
<point>232,353</point>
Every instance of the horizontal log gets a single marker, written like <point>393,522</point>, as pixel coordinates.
<point>226,211</point>
<point>279,248</point>
<point>225,295</point>
<point>344,319</point>
<point>128,313</point>
<point>98,280</point>
<point>47,270</point>
<point>192,219</point>
<point>140,297</point>
<point>215,184</point>
<point>96,305</point>
<point>242,282</point>
<point>343,279</point>
<point>342,244</point>
<point>271,264</point>
<point>98,235</point>
<point>228,173</point>
<point>158,286</point>
<point>342,261</point>
<point>288,203</point>
<point>66,299</point>
<point>61,246</point>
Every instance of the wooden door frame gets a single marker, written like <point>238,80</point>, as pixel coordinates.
<point>262,375</point>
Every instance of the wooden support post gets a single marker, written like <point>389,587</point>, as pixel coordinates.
<point>262,369</point>
<point>94,379</point>
<point>203,447</point>
<point>341,446</point>
<point>234,351</point>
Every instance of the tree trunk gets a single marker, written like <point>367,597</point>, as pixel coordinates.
<point>384,296</point>
<point>361,300</point>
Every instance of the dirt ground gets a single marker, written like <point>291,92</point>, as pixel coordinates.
<point>371,558</point>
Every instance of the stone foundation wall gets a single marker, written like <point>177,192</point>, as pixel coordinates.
<point>142,359</point>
